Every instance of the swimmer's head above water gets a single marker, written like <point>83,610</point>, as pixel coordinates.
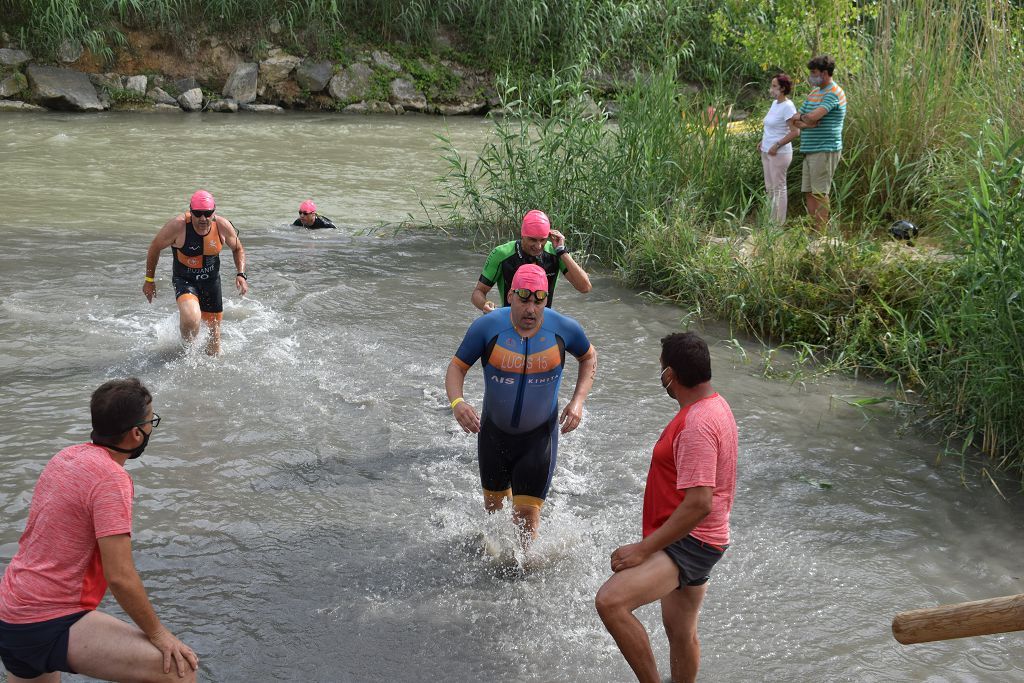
<point>535,230</point>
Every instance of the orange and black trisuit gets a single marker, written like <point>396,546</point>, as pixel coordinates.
<point>196,268</point>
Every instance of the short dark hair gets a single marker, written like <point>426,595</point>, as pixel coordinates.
<point>822,63</point>
<point>785,83</point>
<point>688,356</point>
<point>117,406</point>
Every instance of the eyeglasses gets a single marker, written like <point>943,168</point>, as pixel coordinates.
<point>155,422</point>
<point>202,213</point>
<point>540,296</point>
<point>305,213</point>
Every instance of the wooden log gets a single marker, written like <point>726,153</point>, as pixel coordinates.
<point>962,620</point>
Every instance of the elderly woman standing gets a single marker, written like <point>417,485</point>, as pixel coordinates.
<point>775,148</point>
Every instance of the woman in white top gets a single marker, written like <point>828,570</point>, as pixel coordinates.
<point>775,148</point>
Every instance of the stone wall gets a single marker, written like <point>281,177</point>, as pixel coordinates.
<point>218,78</point>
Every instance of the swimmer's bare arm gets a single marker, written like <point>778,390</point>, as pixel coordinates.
<point>575,274</point>
<point>167,236</point>
<point>573,411</point>
<point>695,507</point>
<point>126,587</point>
<point>454,382</point>
<point>479,298</point>
<point>229,236</point>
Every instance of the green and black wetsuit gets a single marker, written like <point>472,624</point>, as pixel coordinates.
<point>504,261</point>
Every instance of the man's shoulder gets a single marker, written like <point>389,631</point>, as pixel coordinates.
<point>503,251</point>
<point>85,463</point>
<point>713,410</point>
<point>492,323</point>
<point>560,321</point>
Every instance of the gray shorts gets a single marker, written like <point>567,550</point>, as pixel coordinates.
<point>695,559</point>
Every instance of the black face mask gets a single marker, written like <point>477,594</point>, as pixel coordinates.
<point>132,452</point>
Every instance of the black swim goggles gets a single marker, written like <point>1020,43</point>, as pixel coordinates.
<point>202,213</point>
<point>540,296</point>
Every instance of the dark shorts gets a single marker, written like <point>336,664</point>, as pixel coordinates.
<point>523,462</point>
<point>31,650</point>
<point>207,291</point>
<point>694,559</point>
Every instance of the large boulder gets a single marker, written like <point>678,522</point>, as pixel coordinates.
<point>386,61</point>
<point>352,83</point>
<point>262,108</point>
<point>12,84</point>
<point>66,89</point>
<point>15,105</point>
<point>241,85</point>
<point>371,107</point>
<point>459,108</point>
<point>9,57</point>
<point>137,84</point>
<point>191,100</point>
<point>107,81</point>
<point>226,105</point>
<point>314,76</point>
<point>276,68</point>
<point>161,96</point>
<point>404,94</point>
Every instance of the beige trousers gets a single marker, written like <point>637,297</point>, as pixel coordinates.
<point>775,168</point>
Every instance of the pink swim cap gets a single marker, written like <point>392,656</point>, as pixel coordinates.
<point>202,200</point>
<point>307,206</point>
<point>530,276</point>
<point>536,224</point>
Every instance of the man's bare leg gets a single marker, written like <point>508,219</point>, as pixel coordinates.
<point>189,316</point>
<point>679,612</point>
<point>107,648</point>
<point>622,594</point>
<point>818,209</point>
<point>527,521</point>
<point>212,321</point>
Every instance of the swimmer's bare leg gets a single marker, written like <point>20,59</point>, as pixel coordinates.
<point>212,321</point>
<point>189,316</point>
<point>495,500</point>
<point>526,516</point>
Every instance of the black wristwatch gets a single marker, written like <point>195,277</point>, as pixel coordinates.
<point>560,251</point>
<point>241,275</point>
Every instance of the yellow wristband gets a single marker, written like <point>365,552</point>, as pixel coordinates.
<point>457,402</point>
<point>149,279</point>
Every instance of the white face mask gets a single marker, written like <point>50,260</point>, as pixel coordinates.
<point>814,80</point>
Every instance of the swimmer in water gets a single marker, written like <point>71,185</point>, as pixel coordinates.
<point>532,247</point>
<point>522,349</point>
<point>309,218</point>
<point>196,238</point>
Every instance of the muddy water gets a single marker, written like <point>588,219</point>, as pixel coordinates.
<point>308,509</point>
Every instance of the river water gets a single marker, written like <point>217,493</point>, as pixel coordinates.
<point>309,510</point>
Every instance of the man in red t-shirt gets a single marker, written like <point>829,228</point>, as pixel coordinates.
<point>689,494</point>
<point>77,541</point>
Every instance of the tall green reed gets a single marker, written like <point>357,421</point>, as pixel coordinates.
<point>974,327</point>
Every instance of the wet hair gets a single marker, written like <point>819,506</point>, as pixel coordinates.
<point>116,407</point>
<point>688,356</point>
<point>785,83</point>
<point>822,63</point>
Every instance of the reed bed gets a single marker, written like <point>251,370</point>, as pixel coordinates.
<point>676,206</point>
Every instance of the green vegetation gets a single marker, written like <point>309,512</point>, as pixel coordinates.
<point>125,97</point>
<point>676,206</point>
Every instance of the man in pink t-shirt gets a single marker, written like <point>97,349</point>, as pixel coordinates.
<point>77,541</point>
<point>690,488</point>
